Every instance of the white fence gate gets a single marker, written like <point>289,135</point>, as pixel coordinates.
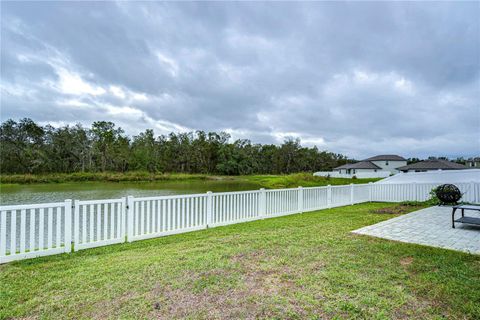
<point>152,217</point>
<point>99,223</point>
<point>233,207</point>
<point>28,231</point>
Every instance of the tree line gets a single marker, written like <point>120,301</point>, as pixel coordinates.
<point>27,147</point>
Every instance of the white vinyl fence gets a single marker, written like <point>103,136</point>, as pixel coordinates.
<point>28,231</point>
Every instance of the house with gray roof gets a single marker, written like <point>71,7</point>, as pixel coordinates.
<point>381,163</point>
<point>430,165</point>
<point>473,163</point>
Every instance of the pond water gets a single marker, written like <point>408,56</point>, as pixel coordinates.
<point>56,192</point>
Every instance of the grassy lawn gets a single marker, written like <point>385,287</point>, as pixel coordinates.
<point>299,266</point>
<point>299,179</point>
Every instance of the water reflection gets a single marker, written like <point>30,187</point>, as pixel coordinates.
<point>41,193</point>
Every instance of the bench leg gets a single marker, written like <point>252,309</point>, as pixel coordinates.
<point>453,217</point>
<point>463,212</point>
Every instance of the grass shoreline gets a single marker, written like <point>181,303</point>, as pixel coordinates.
<point>96,176</point>
<point>266,181</point>
<point>300,266</point>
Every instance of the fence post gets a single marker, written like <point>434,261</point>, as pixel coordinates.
<point>3,234</point>
<point>471,192</point>
<point>369,192</point>
<point>300,199</point>
<point>130,213</point>
<point>351,194</point>
<point>68,226</point>
<point>415,198</point>
<point>209,208</point>
<point>123,216</point>
<point>76,224</point>
<point>263,202</point>
<point>329,196</point>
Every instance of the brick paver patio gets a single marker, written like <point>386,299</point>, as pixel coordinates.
<point>432,227</point>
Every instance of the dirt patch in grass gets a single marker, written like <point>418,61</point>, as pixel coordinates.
<point>261,290</point>
<point>400,209</point>
<point>253,298</point>
<point>249,257</point>
<point>317,266</point>
<point>406,261</point>
<point>417,308</point>
<point>108,308</point>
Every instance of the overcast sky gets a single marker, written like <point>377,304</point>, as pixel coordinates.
<point>355,78</point>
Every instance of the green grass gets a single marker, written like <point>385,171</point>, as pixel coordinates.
<point>300,266</point>
<point>263,181</point>
<point>300,179</point>
<point>96,176</point>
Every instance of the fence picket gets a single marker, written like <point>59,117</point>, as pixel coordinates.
<point>91,221</point>
<point>50,228</point>
<point>23,217</point>
<point>168,223</point>
<point>67,241</point>
<point>105,221</point>
<point>58,224</point>
<point>13,235</point>
<point>111,216</point>
<point>41,229</point>
<point>32,231</point>
<point>157,215</point>
<point>98,215</point>
<point>84,223</point>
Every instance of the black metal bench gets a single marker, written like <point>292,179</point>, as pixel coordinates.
<point>463,219</point>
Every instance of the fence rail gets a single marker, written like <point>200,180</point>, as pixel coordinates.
<point>28,231</point>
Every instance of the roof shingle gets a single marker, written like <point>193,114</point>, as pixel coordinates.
<point>386,157</point>
<point>359,165</point>
<point>433,165</point>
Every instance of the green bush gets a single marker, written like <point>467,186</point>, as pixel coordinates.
<point>433,201</point>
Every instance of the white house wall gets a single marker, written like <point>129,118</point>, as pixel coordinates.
<point>353,171</point>
<point>391,166</point>
<point>366,173</point>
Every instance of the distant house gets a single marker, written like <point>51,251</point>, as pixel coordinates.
<point>357,167</point>
<point>386,162</point>
<point>435,164</point>
<point>473,162</point>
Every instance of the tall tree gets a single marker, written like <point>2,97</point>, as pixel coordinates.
<point>27,147</point>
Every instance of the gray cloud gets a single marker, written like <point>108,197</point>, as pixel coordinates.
<point>355,78</point>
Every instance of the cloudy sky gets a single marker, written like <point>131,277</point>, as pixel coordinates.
<point>355,78</point>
